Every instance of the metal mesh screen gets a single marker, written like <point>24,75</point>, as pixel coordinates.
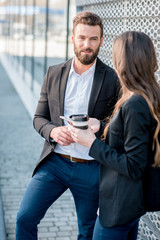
<point>122,15</point>
<point>119,16</point>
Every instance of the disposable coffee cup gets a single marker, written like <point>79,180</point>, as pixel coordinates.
<point>80,120</point>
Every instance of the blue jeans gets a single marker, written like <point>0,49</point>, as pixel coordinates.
<point>52,179</point>
<point>128,231</point>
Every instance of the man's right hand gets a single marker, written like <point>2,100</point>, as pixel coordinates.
<point>61,135</point>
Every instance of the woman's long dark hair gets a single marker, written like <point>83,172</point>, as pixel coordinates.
<point>135,62</point>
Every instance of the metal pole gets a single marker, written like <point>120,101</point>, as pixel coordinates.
<point>33,43</point>
<point>67,35</point>
<point>6,28</point>
<point>18,40</point>
<point>24,39</point>
<point>46,38</point>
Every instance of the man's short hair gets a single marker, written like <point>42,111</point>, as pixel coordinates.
<point>88,18</point>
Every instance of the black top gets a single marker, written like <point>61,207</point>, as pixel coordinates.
<point>123,161</point>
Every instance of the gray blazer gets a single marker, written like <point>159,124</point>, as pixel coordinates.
<point>103,96</point>
<point>123,162</point>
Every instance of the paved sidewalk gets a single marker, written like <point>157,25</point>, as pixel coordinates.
<point>20,147</point>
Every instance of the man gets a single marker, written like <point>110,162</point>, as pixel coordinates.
<point>81,85</point>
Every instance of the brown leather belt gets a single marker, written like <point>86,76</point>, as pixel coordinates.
<point>73,159</point>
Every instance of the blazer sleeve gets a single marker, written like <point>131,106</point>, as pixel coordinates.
<point>132,162</point>
<point>42,120</point>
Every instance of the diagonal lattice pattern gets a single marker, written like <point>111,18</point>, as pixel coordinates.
<point>122,15</point>
<point>119,16</point>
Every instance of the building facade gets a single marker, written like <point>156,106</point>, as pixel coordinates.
<point>37,33</point>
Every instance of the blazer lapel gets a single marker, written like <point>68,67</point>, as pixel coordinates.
<point>63,82</point>
<point>96,87</point>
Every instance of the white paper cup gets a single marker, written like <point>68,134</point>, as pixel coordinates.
<point>80,120</point>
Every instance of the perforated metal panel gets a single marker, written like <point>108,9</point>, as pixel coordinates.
<point>119,16</point>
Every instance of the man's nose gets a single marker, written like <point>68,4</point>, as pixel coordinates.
<point>86,43</point>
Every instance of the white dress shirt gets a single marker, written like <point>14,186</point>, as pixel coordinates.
<point>76,101</point>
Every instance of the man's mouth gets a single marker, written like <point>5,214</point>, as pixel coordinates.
<point>87,51</point>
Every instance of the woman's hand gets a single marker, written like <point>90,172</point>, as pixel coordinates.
<point>94,124</point>
<point>83,137</point>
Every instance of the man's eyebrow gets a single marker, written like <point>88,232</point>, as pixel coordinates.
<point>94,37</point>
<point>80,35</point>
<point>85,36</point>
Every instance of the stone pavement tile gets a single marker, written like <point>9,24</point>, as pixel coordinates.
<point>20,147</point>
<point>2,224</point>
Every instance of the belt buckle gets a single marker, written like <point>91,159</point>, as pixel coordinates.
<point>72,160</point>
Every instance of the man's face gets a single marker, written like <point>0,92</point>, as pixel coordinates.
<point>87,41</point>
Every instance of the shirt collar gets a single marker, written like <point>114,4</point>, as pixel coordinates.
<point>92,68</point>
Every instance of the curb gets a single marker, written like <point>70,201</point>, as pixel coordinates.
<point>2,224</point>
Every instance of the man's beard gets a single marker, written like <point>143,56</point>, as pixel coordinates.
<point>85,58</point>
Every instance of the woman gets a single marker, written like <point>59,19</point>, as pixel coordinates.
<point>131,135</point>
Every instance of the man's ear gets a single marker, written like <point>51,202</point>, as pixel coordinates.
<point>101,43</point>
<point>72,38</point>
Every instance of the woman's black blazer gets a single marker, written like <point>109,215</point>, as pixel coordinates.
<point>123,161</point>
